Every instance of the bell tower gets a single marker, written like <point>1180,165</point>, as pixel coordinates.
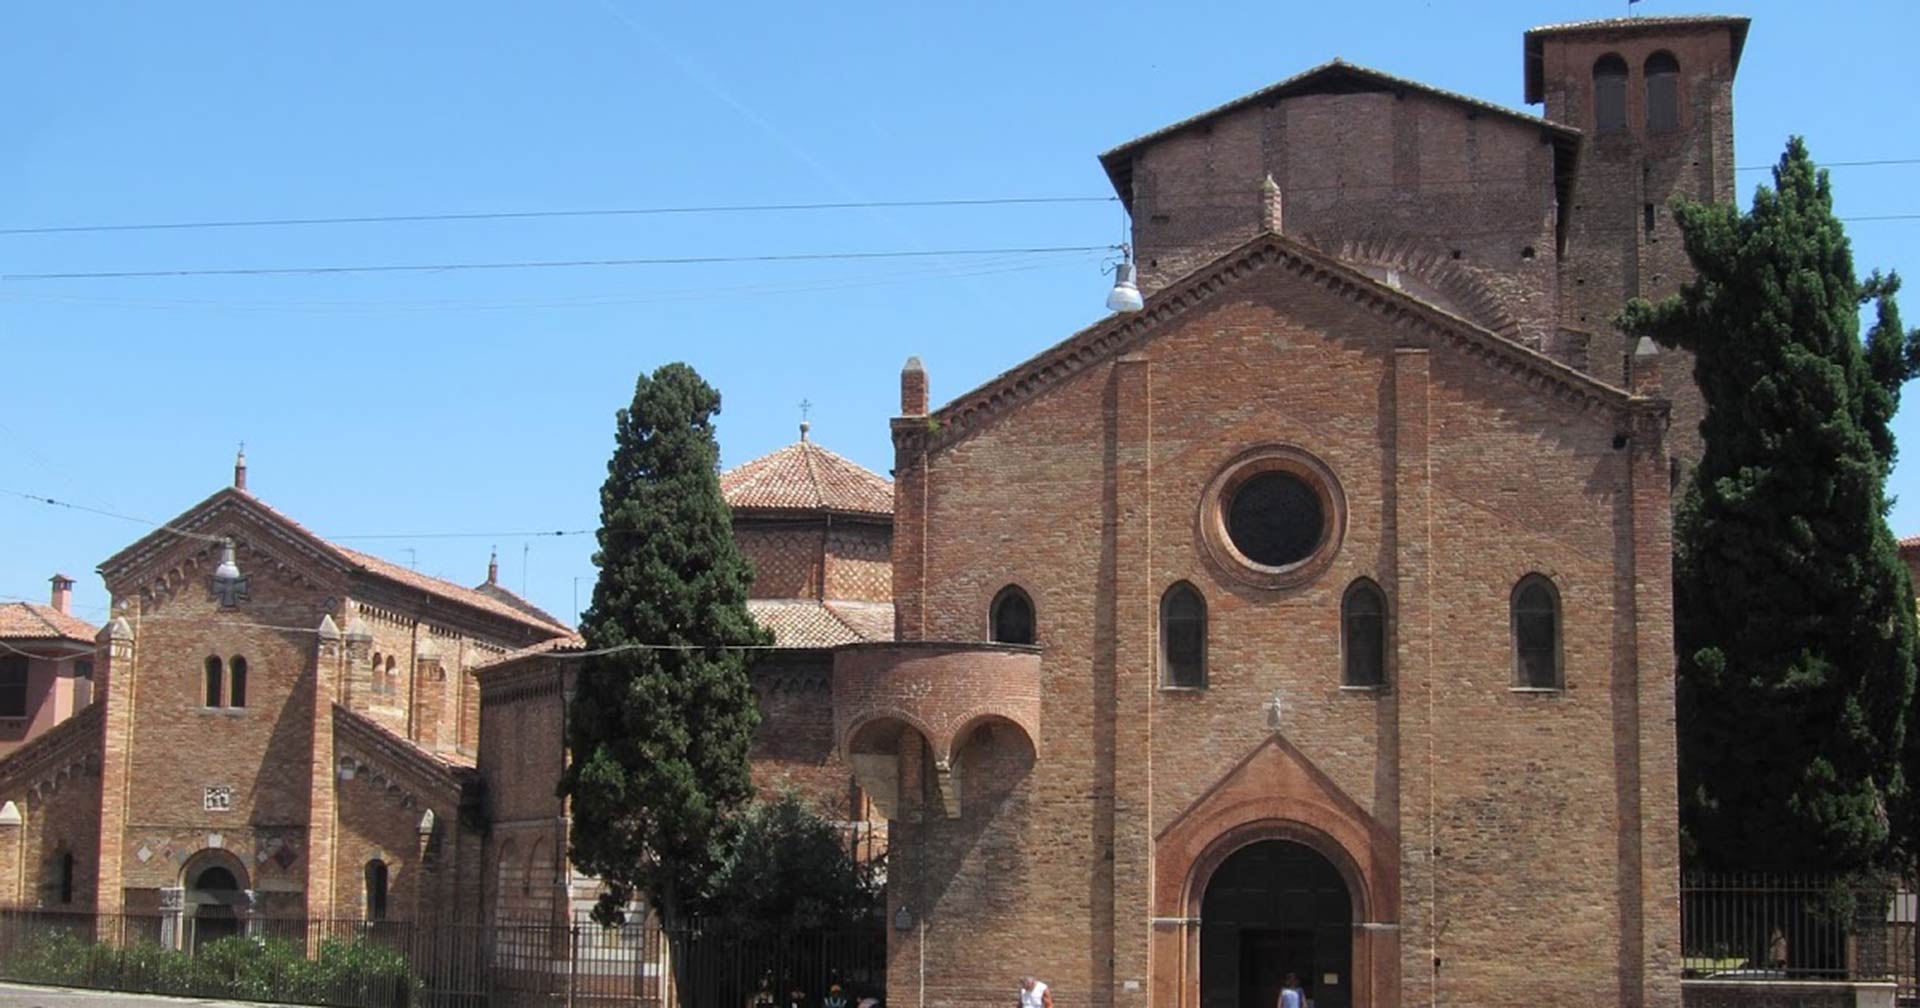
<point>1653,100</point>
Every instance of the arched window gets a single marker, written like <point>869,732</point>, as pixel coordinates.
<point>1363,621</point>
<point>1012,616</point>
<point>1183,637</point>
<point>237,682</point>
<point>1610,92</point>
<point>393,677</point>
<point>1536,634</point>
<point>1663,92</point>
<point>214,681</point>
<point>376,890</point>
<point>375,681</point>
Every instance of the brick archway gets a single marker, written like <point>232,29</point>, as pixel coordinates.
<point>1275,793</point>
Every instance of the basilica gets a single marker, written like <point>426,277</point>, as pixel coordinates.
<point>1314,618</point>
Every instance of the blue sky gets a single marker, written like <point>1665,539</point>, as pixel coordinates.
<point>483,402</point>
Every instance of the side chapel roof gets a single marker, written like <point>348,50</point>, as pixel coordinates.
<point>806,477</point>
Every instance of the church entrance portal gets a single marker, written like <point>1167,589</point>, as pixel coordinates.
<point>1275,907</point>
<point>215,897</point>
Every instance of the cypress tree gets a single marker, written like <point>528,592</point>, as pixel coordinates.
<point>1794,621</point>
<point>663,714</point>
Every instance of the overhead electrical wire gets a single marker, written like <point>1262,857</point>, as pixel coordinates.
<point>556,263</point>
<point>739,208</point>
<point>550,214</point>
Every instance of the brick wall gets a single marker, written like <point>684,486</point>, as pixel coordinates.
<point>1406,181</point>
<point>1459,478</point>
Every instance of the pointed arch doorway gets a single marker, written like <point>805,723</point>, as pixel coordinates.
<point>1274,908</point>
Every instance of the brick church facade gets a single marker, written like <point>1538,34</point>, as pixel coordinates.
<point>330,737</point>
<point>1314,619</point>
<point>1317,618</point>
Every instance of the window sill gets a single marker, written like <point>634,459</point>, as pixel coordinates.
<point>1183,689</point>
<point>1536,689</point>
<point>1382,688</point>
<point>222,711</point>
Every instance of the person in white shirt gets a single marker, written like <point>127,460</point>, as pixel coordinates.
<point>1035,994</point>
<point>1290,995</point>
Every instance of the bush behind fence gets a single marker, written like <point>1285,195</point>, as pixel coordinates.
<point>390,964</point>
<point>1798,927</point>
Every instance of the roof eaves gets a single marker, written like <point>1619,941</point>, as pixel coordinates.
<point>1010,389</point>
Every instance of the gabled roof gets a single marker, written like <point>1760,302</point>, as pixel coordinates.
<point>202,514</point>
<point>494,590</point>
<point>1333,77</point>
<point>1536,90</point>
<point>806,477</point>
<point>1117,334</point>
<point>447,769</point>
<point>32,621</point>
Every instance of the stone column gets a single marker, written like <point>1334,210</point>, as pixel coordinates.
<point>173,912</point>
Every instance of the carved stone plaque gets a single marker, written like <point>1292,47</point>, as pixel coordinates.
<point>218,797</point>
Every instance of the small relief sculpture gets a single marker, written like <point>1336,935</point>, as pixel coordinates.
<point>1276,709</point>
<point>218,798</point>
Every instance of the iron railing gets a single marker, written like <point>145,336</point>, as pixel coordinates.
<point>1798,927</point>
<point>398,964</point>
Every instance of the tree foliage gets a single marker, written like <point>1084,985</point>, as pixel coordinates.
<point>1794,621</point>
<point>658,732</point>
<point>786,870</point>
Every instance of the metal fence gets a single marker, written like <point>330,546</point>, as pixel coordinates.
<point>1807,927</point>
<point>397,964</point>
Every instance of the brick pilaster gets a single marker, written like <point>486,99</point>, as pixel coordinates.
<point>1414,695</point>
<point>1135,682</point>
<point>116,672</point>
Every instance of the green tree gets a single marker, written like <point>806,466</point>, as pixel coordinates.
<point>660,724</point>
<point>1794,622</point>
<point>787,870</point>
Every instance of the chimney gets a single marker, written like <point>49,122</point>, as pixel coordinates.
<point>493,566</point>
<point>913,388</point>
<point>63,594</point>
<point>1270,205</point>
<point>240,468</point>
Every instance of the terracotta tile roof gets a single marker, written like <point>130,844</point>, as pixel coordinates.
<point>571,642</point>
<point>1336,76</point>
<point>521,612</point>
<point>492,590</point>
<point>449,767</point>
<point>806,477</point>
<point>31,621</point>
<point>1911,542</point>
<point>808,623</point>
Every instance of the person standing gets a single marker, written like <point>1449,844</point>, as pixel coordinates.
<point>1290,995</point>
<point>1035,993</point>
